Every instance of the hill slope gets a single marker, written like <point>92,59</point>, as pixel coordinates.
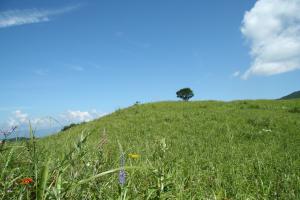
<point>294,95</point>
<point>183,150</point>
<point>212,147</point>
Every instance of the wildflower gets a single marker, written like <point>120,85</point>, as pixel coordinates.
<point>134,155</point>
<point>122,177</point>
<point>122,174</point>
<point>26,181</point>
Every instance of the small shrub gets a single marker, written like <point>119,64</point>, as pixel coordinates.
<point>69,126</point>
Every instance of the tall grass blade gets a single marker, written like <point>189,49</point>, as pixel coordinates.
<point>6,163</point>
<point>104,173</point>
<point>43,181</point>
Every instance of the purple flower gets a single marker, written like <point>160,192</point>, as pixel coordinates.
<point>122,174</point>
<point>122,177</point>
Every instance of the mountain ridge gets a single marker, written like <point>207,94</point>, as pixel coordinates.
<point>294,95</point>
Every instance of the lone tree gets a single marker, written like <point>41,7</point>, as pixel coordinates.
<point>185,94</point>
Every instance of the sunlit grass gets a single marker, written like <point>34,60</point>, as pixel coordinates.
<point>171,150</point>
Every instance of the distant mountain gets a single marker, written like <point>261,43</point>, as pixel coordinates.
<point>17,139</point>
<point>23,132</point>
<point>294,95</point>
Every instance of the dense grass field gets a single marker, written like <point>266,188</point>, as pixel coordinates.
<point>166,150</point>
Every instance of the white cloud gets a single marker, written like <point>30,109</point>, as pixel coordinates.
<point>80,116</point>
<point>273,29</point>
<point>29,16</point>
<point>21,117</point>
<point>12,122</point>
<point>77,116</point>
<point>22,120</point>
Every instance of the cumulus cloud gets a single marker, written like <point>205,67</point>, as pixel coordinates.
<point>49,124</point>
<point>77,116</point>
<point>21,119</point>
<point>272,28</point>
<point>80,116</point>
<point>20,116</point>
<point>29,16</point>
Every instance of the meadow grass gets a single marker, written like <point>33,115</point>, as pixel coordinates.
<point>170,150</point>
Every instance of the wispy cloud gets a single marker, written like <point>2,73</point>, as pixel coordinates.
<point>236,74</point>
<point>29,16</point>
<point>22,119</point>
<point>19,118</point>
<point>273,29</point>
<point>77,67</point>
<point>76,116</point>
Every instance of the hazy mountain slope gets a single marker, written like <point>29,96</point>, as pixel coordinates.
<point>294,95</point>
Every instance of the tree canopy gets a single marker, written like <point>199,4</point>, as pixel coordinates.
<point>185,94</point>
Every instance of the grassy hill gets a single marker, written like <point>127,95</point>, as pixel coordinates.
<point>170,150</point>
<point>294,95</point>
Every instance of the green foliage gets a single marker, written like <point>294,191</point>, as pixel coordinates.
<point>188,150</point>
<point>294,110</point>
<point>68,126</point>
<point>185,94</point>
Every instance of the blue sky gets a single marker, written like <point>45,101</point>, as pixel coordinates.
<point>76,60</point>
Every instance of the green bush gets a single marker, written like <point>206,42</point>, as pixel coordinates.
<point>68,126</point>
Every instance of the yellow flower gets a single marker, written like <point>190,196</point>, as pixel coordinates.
<point>134,155</point>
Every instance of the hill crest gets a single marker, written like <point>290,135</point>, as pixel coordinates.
<point>294,95</point>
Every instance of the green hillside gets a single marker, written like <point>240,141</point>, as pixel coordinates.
<point>171,150</point>
<point>294,95</point>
